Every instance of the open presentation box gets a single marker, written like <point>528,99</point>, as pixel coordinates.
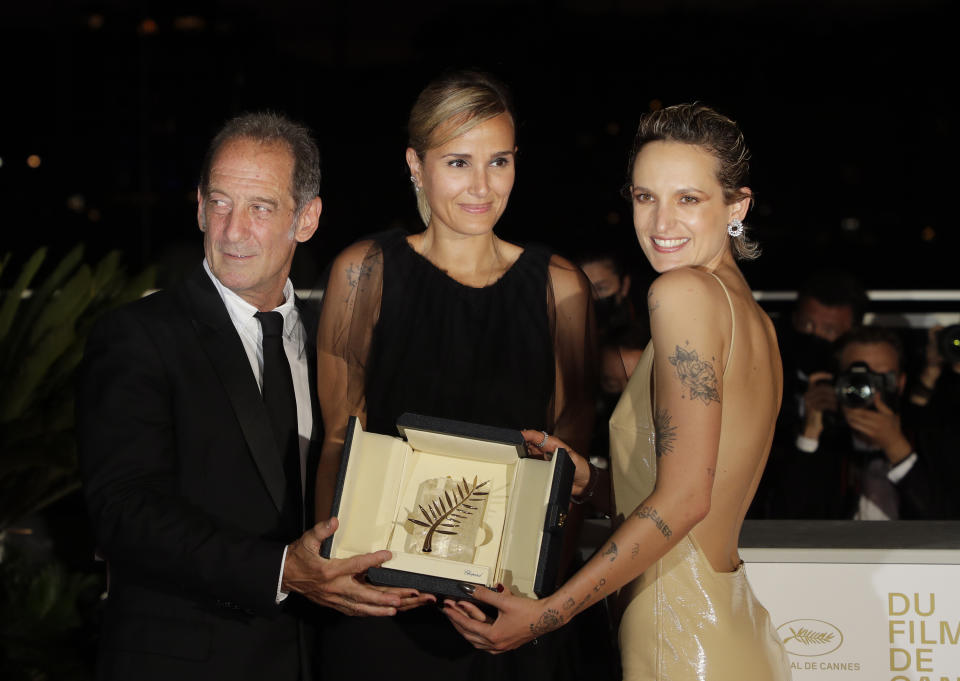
<point>524,506</point>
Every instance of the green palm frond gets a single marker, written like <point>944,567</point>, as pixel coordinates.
<point>41,343</point>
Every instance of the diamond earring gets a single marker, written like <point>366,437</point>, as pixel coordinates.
<point>735,228</point>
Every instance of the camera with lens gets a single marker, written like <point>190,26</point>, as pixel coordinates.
<point>948,340</point>
<point>857,386</point>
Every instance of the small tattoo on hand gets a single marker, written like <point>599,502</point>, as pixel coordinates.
<point>549,620</point>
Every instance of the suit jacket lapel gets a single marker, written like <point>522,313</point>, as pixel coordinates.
<point>223,347</point>
<point>308,317</point>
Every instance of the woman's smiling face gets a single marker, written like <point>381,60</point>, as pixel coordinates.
<point>468,180</point>
<point>679,210</point>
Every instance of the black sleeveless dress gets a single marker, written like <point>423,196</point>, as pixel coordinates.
<point>440,348</point>
<point>483,355</point>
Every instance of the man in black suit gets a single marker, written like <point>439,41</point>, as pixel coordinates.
<point>860,464</point>
<point>195,496</point>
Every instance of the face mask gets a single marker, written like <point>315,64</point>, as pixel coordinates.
<point>610,312</point>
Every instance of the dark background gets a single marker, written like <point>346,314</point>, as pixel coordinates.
<point>843,103</point>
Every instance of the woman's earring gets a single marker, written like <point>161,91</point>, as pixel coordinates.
<point>735,228</point>
<point>416,187</point>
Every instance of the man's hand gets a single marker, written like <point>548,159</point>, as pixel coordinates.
<point>881,428</point>
<point>338,583</point>
<point>519,620</point>
<point>820,397</point>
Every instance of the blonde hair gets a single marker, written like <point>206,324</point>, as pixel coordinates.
<point>450,106</point>
<point>702,126</point>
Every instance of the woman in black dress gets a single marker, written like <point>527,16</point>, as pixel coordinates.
<point>457,323</point>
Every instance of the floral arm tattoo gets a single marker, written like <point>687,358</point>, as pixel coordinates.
<point>696,375</point>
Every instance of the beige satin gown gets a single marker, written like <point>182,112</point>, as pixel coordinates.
<point>682,620</point>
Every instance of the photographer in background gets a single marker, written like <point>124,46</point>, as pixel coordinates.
<point>829,304</point>
<point>942,362</point>
<point>854,457</point>
<point>936,397</point>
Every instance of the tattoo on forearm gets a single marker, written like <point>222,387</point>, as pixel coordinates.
<point>696,375</point>
<point>569,603</point>
<point>663,433</point>
<point>549,620</point>
<point>611,551</point>
<point>651,513</point>
<point>583,602</point>
<point>603,580</point>
<point>635,550</point>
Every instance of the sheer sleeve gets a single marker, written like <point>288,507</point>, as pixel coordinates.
<point>351,306</point>
<point>570,309</point>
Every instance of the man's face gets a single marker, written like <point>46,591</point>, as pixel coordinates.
<point>823,321</point>
<point>249,222</point>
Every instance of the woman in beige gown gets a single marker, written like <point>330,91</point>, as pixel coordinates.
<point>689,438</point>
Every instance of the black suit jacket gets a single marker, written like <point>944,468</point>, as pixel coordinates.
<point>185,489</point>
<point>825,484</point>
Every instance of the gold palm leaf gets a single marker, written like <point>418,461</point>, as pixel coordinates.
<point>444,514</point>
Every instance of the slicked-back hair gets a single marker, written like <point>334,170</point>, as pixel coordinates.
<point>700,125</point>
<point>449,106</point>
<point>267,127</point>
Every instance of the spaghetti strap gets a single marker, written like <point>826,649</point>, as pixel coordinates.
<point>733,321</point>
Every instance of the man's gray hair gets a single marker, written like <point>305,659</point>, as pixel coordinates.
<point>268,127</point>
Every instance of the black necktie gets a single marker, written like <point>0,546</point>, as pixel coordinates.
<point>281,403</point>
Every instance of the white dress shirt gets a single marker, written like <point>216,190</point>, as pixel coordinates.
<point>294,344</point>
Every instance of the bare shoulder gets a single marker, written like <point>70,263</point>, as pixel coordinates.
<point>567,278</point>
<point>509,251</point>
<point>692,289</point>
<point>355,254</point>
<point>355,263</point>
